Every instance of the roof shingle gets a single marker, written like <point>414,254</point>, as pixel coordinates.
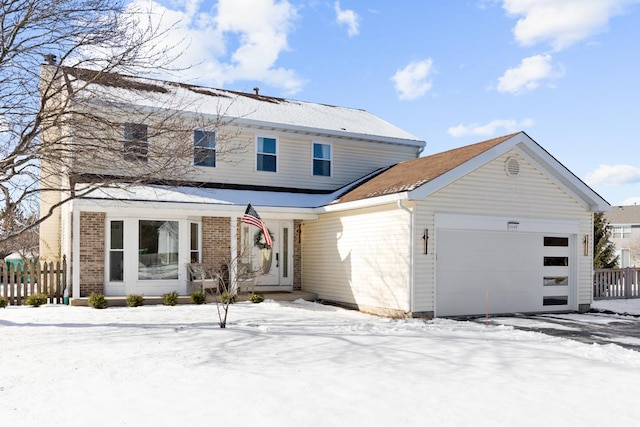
<point>411,174</point>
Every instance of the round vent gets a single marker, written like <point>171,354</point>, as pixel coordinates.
<point>512,166</point>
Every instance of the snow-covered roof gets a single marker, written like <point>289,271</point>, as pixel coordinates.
<point>245,109</point>
<point>209,196</point>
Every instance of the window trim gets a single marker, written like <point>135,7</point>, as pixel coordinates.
<point>623,231</point>
<point>158,241</point>
<point>135,150</point>
<point>276,154</point>
<point>198,224</point>
<point>314,158</point>
<point>207,134</point>
<point>110,250</point>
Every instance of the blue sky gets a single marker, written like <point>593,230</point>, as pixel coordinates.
<point>451,72</point>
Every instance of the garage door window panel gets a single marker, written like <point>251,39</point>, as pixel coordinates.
<point>555,300</point>
<point>556,241</point>
<point>556,261</point>
<point>556,281</point>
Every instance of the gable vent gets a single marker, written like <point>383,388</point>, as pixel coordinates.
<point>512,166</point>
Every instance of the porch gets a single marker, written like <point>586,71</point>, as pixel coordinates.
<point>120,301</point>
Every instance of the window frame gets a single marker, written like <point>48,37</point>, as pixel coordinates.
<point>135,146</point>
<point>112,250</point>
<point>198,241</point>
<point>198,148</point>
<point>263,153</point>
<point>620,231</point>
<point>314,159</point>
<point>149,261</point>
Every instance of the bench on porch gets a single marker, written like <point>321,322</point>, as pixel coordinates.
<point>202,279</point>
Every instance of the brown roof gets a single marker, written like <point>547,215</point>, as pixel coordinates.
<point>624,215</point>
<point>411,174</point>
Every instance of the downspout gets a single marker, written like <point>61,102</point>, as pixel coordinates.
<point>411,253</point>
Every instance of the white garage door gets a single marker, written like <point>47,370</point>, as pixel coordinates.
<point>502,272</point>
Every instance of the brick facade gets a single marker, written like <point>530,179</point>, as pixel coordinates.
<point>216,242</point>
<point>216,249</point>
<point>92,253</point>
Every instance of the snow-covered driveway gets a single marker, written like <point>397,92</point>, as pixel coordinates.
<point>590,328</point>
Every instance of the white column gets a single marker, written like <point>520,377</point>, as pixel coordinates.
<point>233,267</point>
<point>75,255</point>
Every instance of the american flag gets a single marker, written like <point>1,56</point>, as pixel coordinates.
<point>251,217</point>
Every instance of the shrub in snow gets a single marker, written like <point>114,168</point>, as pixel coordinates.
<point>170,299</point>
<point>97,300</point>
<point>256,298</point>
<point>3,302</point>
<point>36,300</point>
<point>226,299</point>
<point>134,300</point>
<point>198,297</point>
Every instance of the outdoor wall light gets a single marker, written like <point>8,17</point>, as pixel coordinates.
<point>298,231</point>
<point>585,245</point>
<point>425,241</point>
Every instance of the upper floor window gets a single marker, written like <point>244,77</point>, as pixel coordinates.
<point>204,148</point>
<point>136,145</point>
<point>321,159</point>
<point>266,157</point>
<point>620,231</point>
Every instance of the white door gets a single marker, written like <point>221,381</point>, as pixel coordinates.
<point>502,272</point>
<point>271,268</point>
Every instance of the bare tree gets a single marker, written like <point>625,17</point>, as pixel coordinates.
<point>83,119</point>
<point>26,243</point>
<point>233,276</point>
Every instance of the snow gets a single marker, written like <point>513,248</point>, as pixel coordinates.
<point>247,109</point>
<point>622,306</point>
<point>293,364</point>
<point>211,196</point>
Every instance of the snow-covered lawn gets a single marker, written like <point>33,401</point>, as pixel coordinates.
<point>299,364</point>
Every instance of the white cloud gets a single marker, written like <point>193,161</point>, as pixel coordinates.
<point>238,40</point>
<point>529,74</point>
<point>561,23</point>
<point>349,18</point>
<point>489,129</point>
<point>614,175</point>
<point>631,201</point>
<point>413,80</point>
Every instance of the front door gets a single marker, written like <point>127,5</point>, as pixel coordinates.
<point>271,268</point>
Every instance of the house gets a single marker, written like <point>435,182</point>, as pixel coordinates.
<point>356,215</point>
<point>624,224</point>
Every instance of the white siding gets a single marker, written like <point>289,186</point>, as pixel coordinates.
<point>236,158</point>
<point>350,160</point>
<point>489,191</point>
<point>359,257</point>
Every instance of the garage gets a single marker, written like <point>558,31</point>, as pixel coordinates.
<point>480,271</point>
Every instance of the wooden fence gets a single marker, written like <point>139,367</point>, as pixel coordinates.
<point>616,283</point>
<point>18,282</point>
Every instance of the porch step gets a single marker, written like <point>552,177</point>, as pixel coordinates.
<point>185,299</point>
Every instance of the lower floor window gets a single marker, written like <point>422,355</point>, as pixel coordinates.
<point>158,244</point>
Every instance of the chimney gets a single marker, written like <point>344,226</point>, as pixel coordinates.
<point>50,59</point>
<point>256,90</point>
